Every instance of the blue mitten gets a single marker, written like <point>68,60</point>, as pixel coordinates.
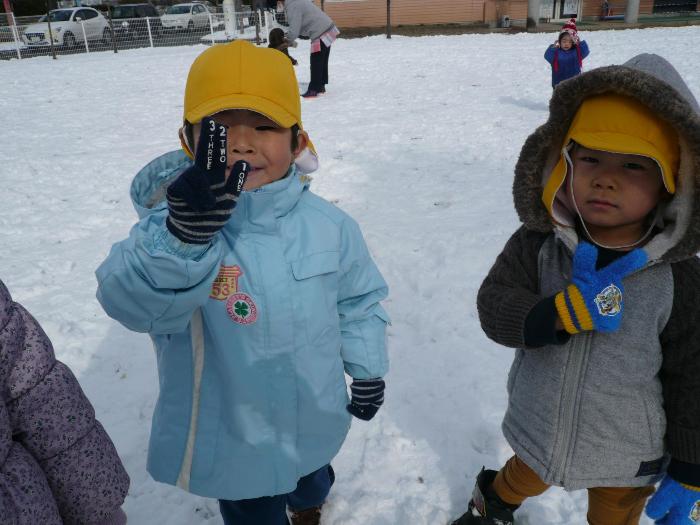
<point>367,397</point>
<point>593,301</point>
<point>202,198</point>
<point>675,504</point>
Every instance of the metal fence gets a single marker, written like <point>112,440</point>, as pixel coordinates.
<point>28,37</point>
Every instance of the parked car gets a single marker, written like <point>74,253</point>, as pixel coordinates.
<point>186,16</point>
<point>67,27</point>
<point>206,3</point>
<point>131,21</point>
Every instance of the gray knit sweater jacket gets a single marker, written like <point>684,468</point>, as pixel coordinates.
<point>305,19</point>
<point>605,409</point>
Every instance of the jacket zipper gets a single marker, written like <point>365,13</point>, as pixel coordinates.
<point>578,356</point>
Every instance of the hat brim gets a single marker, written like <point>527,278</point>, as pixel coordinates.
<point>629,145</point>
<point>237,101</point>
<point>306,161</point>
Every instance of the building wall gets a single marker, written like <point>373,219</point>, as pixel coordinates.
<point>372,13</point>
<point>593,8</point>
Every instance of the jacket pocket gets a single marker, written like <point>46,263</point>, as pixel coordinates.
<point>315,294</point>
<point>315,264</point>
<point>657,422</point>
<point>513,373</point>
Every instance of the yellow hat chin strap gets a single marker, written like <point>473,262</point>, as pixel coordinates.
<point>183,143</point>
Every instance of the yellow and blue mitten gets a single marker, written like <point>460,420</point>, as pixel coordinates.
<point>593,300</point>
<point>675,504</point>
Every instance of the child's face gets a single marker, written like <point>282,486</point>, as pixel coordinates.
<point>614,193</point>
<point>261,142</point>
<point>566,42</point>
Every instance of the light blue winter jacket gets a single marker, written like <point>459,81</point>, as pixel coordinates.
<point>253,333</point>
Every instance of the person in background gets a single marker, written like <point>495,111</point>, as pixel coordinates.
<point>57,463</point>
<point>598,291</point>
<point>277,41</point>
<point>306,20</point>
<point>566,55</point>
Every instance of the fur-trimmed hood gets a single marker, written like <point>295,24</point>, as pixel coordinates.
<point>654,82</point>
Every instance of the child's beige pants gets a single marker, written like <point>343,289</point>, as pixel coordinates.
<point>606,505</point>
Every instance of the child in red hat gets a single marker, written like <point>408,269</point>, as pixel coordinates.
<point>567,53</point>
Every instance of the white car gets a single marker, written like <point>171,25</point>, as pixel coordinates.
<point>186,16</point>
<point>67,28</point>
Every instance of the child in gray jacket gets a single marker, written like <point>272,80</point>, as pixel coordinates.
<point>604,390</point>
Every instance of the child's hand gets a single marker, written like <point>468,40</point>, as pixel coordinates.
<point>675,504</point>
<point>202,198</point>
<point>594,299</point>
<point>367,397</point>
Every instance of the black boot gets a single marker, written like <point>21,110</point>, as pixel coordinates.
<point>485,507</point>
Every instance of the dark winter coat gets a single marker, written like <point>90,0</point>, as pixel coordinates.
<point>601,408</point>
<point>57,464</point>
<point>276,41</point>
<point>565,64</point>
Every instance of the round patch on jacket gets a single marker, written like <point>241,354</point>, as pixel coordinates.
<point>695,512</point>
<point>241,308</point>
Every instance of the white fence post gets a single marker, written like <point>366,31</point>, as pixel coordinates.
<point>229,18</point>
<point>15,35</point>
<point>211,27</point>
<point>82,24</point>
<point>148,26</point>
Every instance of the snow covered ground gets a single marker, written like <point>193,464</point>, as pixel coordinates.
<point>418,138</point>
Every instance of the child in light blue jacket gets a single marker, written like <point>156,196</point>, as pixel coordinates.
<point>259,297</point>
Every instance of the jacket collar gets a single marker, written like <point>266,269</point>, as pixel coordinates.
<point>256,210</point>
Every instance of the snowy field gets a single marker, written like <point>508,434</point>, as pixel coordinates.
<point>418,138</point>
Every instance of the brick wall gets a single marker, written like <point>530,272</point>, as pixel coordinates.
<point>372,13</point>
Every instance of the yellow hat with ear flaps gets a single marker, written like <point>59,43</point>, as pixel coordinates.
<point>619,124</point>
<point>239,75</point>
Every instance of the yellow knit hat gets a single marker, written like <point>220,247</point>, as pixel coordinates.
<point>619,124</point>
<point>239,75</point>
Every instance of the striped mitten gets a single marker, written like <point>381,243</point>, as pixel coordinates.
<point>593,301</point>
<point>367,397</point>
<point>202,198</point>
